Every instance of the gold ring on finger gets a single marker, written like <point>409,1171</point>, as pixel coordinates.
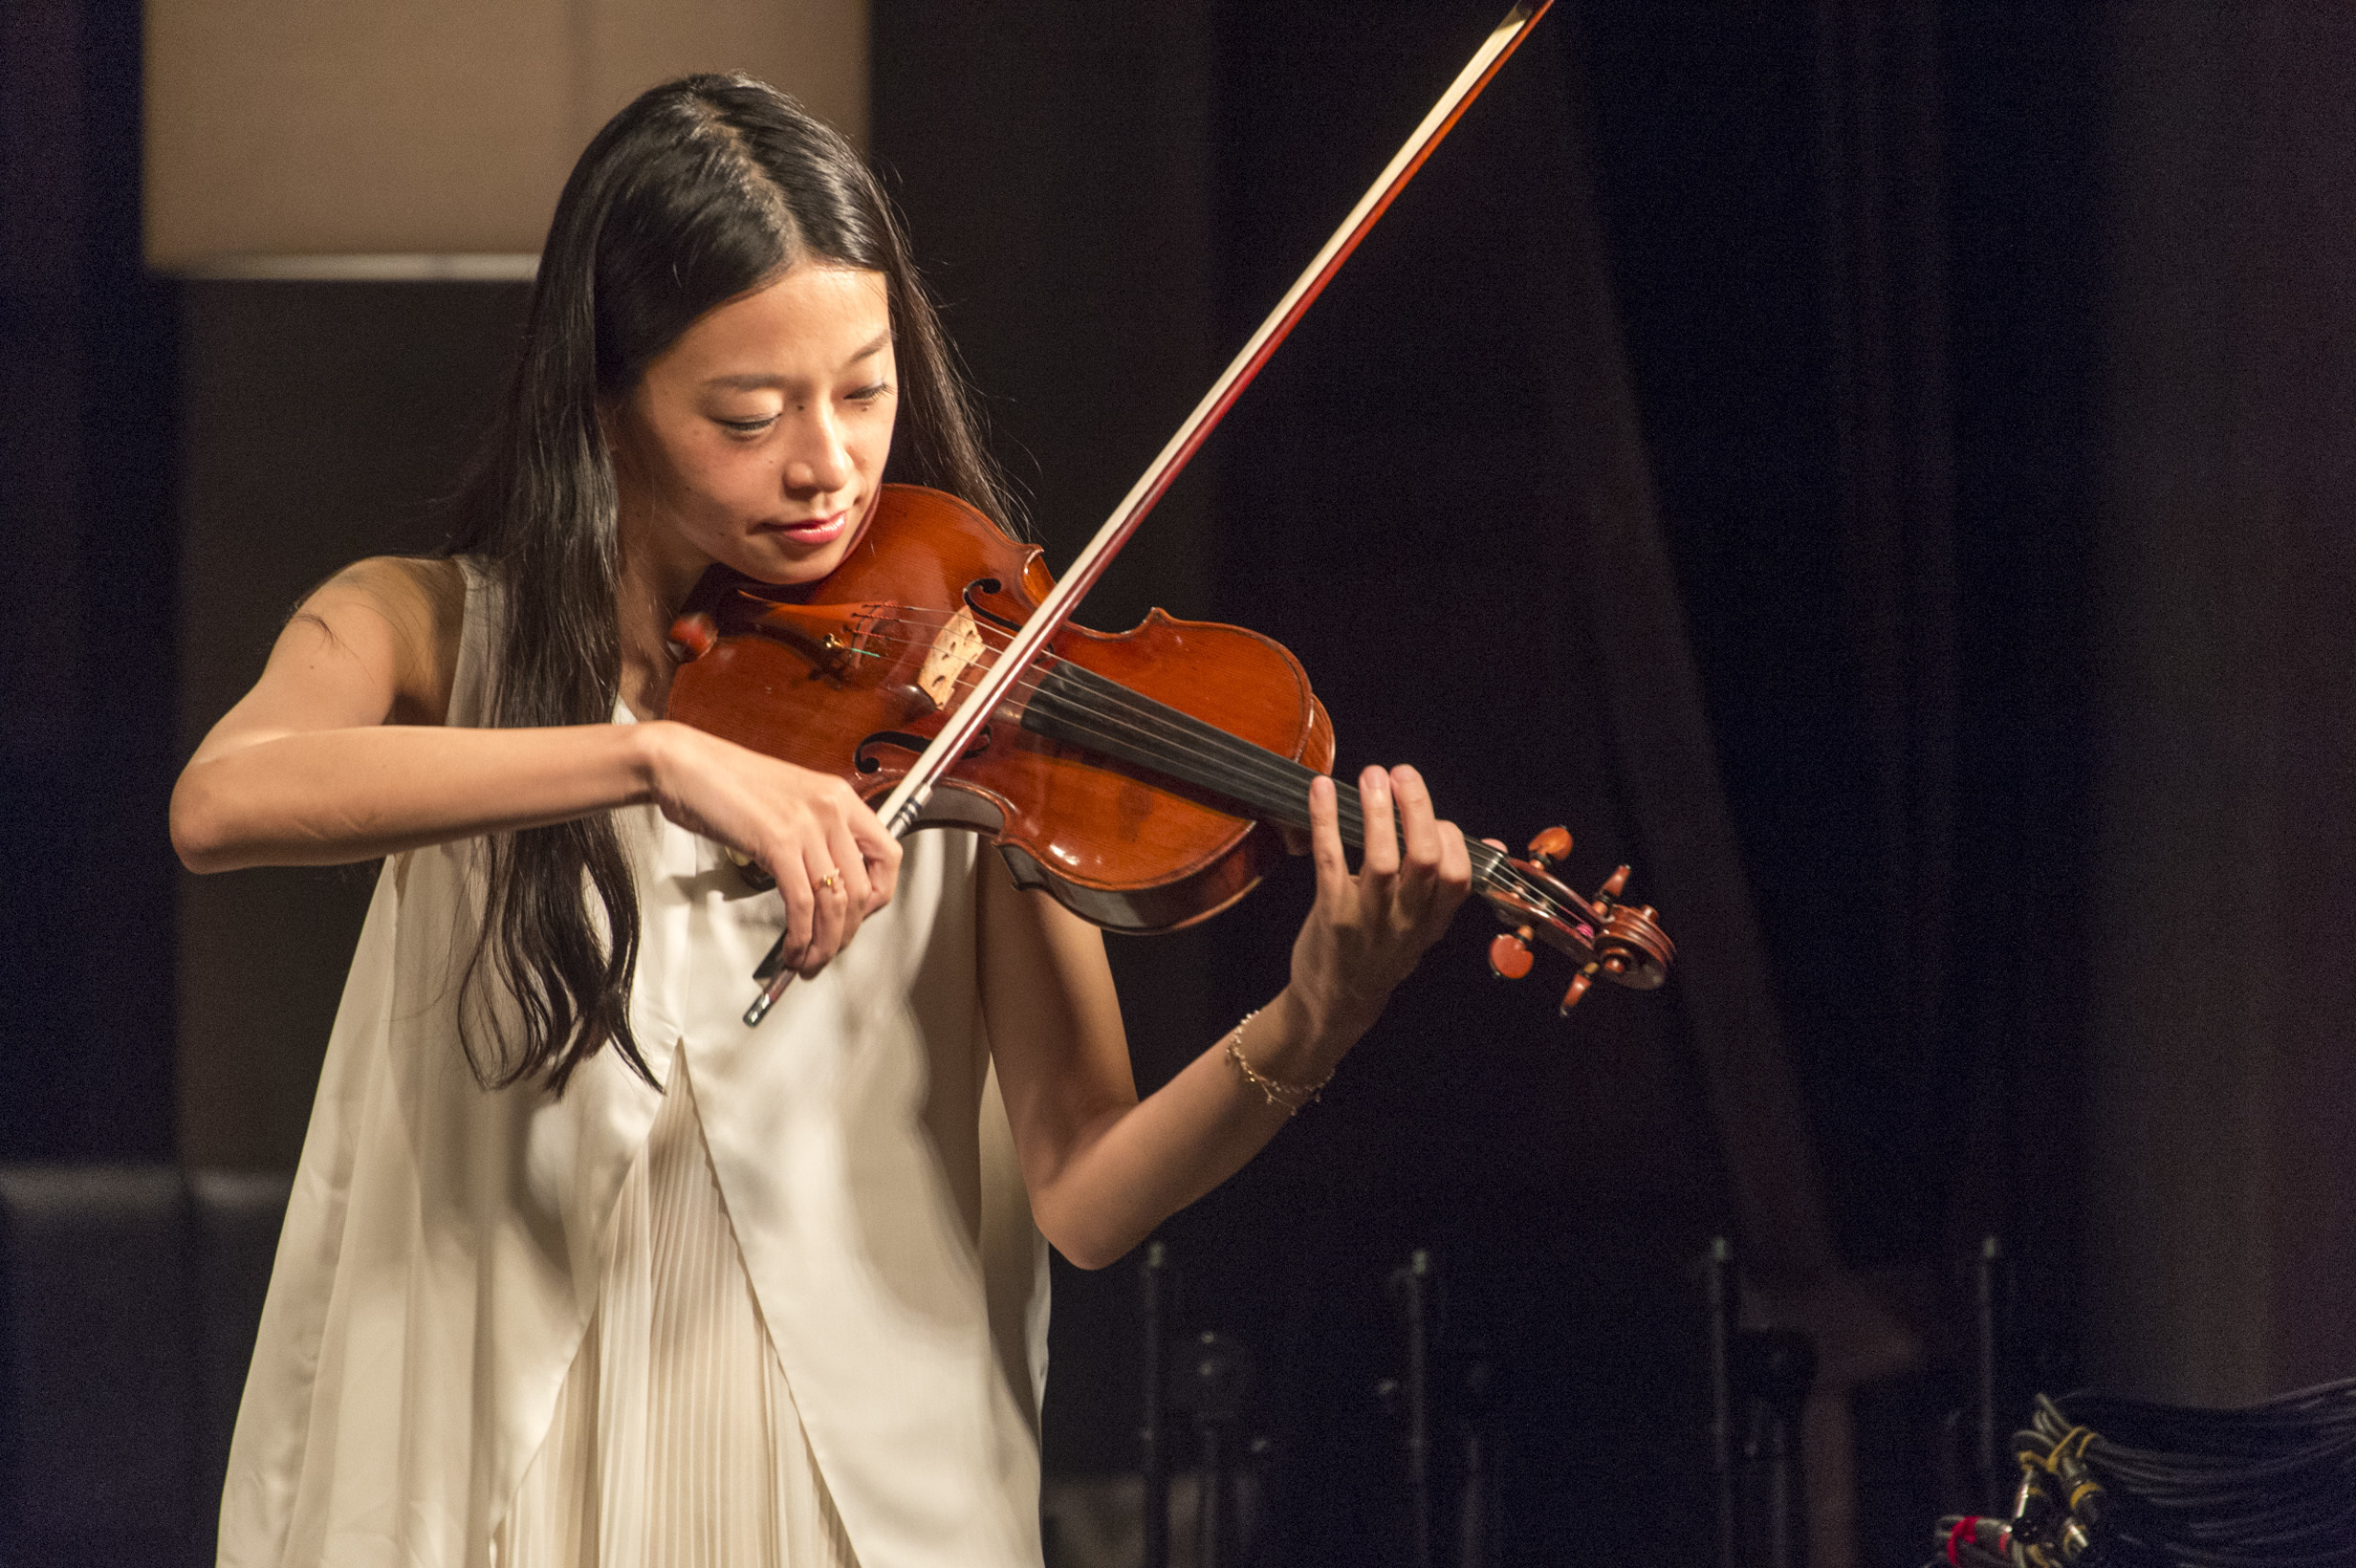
<point>827,882</point>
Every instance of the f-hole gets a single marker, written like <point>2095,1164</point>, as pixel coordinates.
<point>989,585</point>
<point>864,761</point>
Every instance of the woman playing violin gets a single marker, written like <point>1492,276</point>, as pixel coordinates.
<point>579,1268</point>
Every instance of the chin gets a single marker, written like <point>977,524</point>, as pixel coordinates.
<point>782,570</point>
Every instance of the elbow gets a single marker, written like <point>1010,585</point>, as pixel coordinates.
<point>1091,1205</point>
<point>1083,1246</point>
<point>1093,1255</point>
<point>199,836</point>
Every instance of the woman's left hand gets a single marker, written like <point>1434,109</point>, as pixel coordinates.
<point>1365,932</point>
<point>1102,1167</point>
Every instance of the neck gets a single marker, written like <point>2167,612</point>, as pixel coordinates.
<point>654,582</point>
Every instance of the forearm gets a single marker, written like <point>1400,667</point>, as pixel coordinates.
<point>331,796</point>
<point>1138,1165</point>
<point>1104,1168</point>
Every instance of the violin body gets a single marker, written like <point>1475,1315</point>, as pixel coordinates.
<point>1141,780</point>
<point>854,674</point>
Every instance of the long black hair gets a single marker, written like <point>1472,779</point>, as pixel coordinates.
<point>703,189</point>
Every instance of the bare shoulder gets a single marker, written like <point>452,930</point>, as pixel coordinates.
<point>406,612</point>
<point>376,643</point>
<point>410,588</point>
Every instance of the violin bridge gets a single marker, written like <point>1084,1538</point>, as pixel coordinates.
<point>953,652</point>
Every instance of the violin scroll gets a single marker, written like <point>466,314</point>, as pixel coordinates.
<point>1603,936</point>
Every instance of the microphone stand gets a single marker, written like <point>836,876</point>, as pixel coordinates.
<point>1720,1288</point>
<point>1153,1276</point>
<point>1210,1384</point>
<point>1987,1284</point>
<point>1411,1287</point>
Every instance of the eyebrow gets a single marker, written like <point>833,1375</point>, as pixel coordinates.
<point>750,383</point>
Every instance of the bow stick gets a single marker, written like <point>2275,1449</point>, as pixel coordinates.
<point>906,800</point>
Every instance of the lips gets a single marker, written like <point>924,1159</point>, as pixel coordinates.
<point>815,531</point>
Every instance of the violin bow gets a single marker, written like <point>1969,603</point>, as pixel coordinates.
<point>907,801</point>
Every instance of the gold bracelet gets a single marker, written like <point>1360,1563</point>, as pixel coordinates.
<point>1291,1096</point>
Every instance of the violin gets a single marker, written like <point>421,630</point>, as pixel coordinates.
<point>1138,778</point>
<point>1134,779</point>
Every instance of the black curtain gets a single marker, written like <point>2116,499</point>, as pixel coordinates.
<point>2221,1233</point>
<point>88,749</point>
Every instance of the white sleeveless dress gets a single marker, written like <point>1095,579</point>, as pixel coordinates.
<point>791,1312</point>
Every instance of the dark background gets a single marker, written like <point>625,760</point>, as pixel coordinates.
<point>1880,470</point>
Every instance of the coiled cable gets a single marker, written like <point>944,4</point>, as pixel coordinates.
<point>2113,1483</point>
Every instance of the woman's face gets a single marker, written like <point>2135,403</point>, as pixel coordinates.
<point>757,439</point>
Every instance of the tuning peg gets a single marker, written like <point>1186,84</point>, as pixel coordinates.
<point>1508,954</point>
<point>1550,846</point>
<point>1579,983</point>
<point>1613,883</point>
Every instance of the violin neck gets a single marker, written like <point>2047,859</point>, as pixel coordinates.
<point>1080,708</point>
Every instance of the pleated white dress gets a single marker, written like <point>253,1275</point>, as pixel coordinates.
<point>791,1312</point>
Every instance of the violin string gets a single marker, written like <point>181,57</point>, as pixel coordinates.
<point>1239,750</point>
<point>1244,763</point>
<point>1243,766</point>
<point>1280,780</point>
<point>1491,865</point>
<point>1142,716</point>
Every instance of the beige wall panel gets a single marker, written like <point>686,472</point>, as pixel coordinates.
<point>279,127</point>
<point>816,49</point>
<point>296,128</point>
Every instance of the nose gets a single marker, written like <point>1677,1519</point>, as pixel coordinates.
<point>817,461</point>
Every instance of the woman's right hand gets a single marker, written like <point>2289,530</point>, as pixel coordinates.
<point>832,861</point>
